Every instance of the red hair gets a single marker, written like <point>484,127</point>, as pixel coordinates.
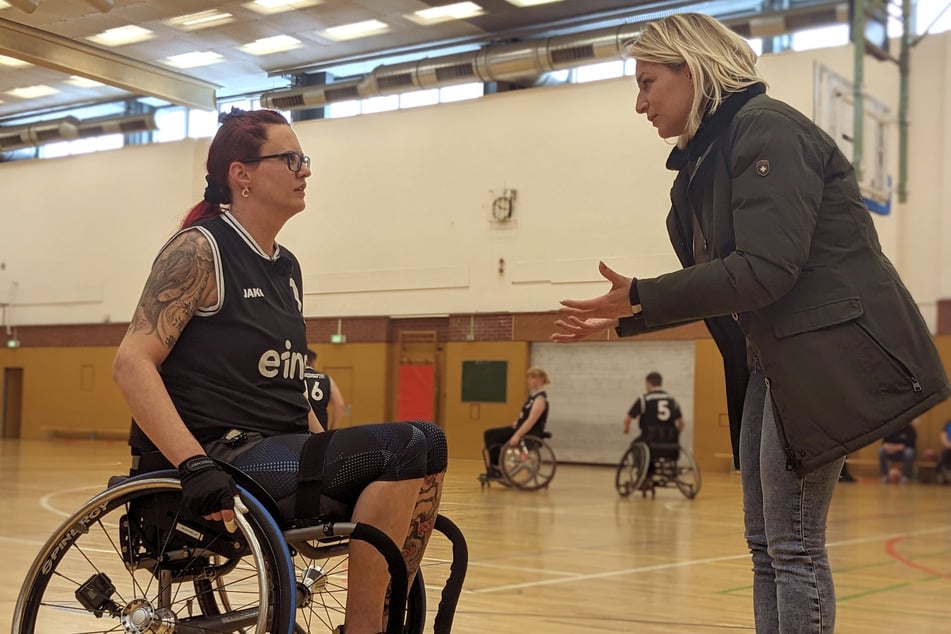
<point>240,136</point>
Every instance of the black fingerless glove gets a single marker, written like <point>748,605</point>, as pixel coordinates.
<point>206,489</point>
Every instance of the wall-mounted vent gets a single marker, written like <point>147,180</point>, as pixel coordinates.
<point>572,54</point>
<point>289,102</point>
<point>341,94</point>
<point>390,82</point>
<point>456,71</point>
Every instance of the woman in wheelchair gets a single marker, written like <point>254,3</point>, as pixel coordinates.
<point>213,362</point>
<point>531,420</point>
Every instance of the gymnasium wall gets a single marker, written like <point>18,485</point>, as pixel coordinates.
<point>398,207</point>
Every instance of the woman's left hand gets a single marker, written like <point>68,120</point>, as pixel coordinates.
<point>613,304</point>
<point>514,441</point>
<point>574,329</point>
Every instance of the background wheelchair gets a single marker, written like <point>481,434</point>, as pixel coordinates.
<point>529,466</point>
<point>133,560</point>
<point>656,459</point>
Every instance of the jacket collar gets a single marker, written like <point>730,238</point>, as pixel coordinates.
<point>712,126</point>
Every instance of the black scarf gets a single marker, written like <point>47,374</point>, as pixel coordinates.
<point>711,127</point>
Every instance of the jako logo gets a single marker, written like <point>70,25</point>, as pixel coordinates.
<point>288,364</point>
<point>253,292</point>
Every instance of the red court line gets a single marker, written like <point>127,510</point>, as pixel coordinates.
<point>894,554</point>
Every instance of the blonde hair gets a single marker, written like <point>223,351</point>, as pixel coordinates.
<point>720,62</point>
<point>539,374</point>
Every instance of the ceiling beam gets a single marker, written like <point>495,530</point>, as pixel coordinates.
<point>78,58</point>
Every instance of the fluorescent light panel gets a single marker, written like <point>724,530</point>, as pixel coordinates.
<point>279,6</point>
<point>200,20</point>
<point>530,3</point>
<point>122,35</point>
<point>82,82</point>
<point>356,29</point>
<point>457,11</point>
<point>13,62</point>
<point>32,92</point>
<point>193,59</point>
<point>4,5</point>
<point>269,45</point>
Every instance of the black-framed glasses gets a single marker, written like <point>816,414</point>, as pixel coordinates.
<point>295,161</point>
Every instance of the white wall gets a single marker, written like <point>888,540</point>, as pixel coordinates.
<point>398,222</point>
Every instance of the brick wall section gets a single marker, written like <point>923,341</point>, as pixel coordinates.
<point>439,325</point>
<point>356,329</point>
<point>483,327</point>
<point>540,326</point>
<point>71,335</point>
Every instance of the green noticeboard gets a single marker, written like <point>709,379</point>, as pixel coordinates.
<point>484,381</point>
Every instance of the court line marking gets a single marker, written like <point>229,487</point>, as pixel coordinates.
<point>47,505</point>
<point>693,562</point>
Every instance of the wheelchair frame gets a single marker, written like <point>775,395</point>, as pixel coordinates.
<point>645,466</point>
<point>243,582</point>
<point>528,467</point>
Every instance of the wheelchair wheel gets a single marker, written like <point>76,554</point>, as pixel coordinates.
<point>688,475</point>
<point>529,466</point>
<point>133,560</point>
<point>632,469</point>
<point>320,570</point>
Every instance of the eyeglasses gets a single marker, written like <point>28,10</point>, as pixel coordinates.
<point>294,160</point>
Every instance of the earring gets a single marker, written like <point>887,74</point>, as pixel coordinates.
<point>245,192</point>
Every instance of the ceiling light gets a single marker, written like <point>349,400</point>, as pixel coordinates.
<point>28,6</point>
<point>200,20</point>
<point>279,6</point>
<point>268,45</point>
<point>82,82</point>
<point>32,92</point>
<point>193,59</point>
<point>13,62</point>
<point>356,29</point>
<point>4,5</point>
<point>530,3</point>
<point>457,11</point>
<point>122,35</point>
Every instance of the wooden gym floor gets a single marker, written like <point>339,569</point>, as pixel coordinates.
<point>577,558</point>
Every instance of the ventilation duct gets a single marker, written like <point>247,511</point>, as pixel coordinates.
<point>69,128</point>
<point>31,134</point>
<point>523,63</point>
<point>128,124</point>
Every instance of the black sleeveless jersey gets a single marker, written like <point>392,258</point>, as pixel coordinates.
<point>655,408</point>
<point>317,391</point>
<point>539,426</point>
<point>240,364</point>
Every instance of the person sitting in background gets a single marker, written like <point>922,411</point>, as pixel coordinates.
<point>898,447</point>
<point>322,391</point>
<point>531,419</point>
<point>944,460</point>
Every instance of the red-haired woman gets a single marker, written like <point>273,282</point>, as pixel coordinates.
<point>213,362</point>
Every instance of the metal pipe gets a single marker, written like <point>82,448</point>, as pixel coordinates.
<point>904,69</point>
<point>858,107</point>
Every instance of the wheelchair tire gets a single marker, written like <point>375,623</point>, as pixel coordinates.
<point>688,475</point>
<point>529,466</point>
<point>131,559</point>
<point>632,470</point>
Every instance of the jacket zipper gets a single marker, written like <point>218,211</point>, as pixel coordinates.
<point>792,462</point>
<point>895,361</point>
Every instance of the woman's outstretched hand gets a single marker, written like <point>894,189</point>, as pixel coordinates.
<point>583,317</point>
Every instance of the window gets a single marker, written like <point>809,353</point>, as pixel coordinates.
<point>823,37</point>
<point>597,72</point>
<point>461,92</point>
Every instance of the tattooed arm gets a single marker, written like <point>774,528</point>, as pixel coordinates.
<point>182,281</point>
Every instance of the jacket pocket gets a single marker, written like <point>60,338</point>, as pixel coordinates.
<point>817,317</point>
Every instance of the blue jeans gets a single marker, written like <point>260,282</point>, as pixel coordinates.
<point>906,456</point>
<point>785,517</point>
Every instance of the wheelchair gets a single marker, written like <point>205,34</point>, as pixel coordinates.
<point>528,467</point>
<point>133,560</point>
<point>656,459</point>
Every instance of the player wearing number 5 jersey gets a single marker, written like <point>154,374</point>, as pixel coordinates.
<point>655,407</point>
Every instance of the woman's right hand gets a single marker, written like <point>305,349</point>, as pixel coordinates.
<point>207,490</point>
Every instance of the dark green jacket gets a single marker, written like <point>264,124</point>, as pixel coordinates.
<point>796,264</point>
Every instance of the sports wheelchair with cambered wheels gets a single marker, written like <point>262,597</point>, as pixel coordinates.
<point>656,459</point>
<point>528,466</point>
<point>133,560</point>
